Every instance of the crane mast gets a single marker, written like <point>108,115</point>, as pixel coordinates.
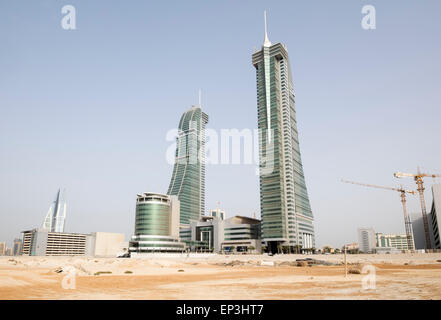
<point>407,222</point>
<point>418,177</point>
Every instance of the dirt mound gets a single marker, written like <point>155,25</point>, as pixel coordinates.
<point>234,263</point>
<point>306,263</point>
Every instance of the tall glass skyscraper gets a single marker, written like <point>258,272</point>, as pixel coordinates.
<point>286,214</point>
<point>188,179</point>
<point>56,216</point>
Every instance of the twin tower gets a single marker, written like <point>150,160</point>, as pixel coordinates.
<point>286,214</point>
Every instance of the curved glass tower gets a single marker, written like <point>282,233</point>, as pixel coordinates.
<point>188,179</point>
<point>286,214</point>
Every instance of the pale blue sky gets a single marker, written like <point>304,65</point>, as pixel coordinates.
<point>89,109</point>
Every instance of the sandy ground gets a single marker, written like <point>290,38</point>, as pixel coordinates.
<point>397,276</point>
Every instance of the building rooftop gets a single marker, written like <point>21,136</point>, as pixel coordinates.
<point>243,220</point>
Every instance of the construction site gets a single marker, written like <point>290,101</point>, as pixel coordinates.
<point>214,277</point>
<point>430,232</point>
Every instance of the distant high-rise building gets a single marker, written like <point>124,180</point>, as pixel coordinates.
<point>188,178</point>
<point>56,216</point>
<point>433,221</point>
<point>2,248</point>
<point>17,247</point>
<point>366,240</point>
<point>285,209</point>
<point>217,213</point>
<point>419,235</point>
<point>435,216</point>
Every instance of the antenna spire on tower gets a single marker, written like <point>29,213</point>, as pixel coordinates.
<point>266,42</point>
<point>200,97</point>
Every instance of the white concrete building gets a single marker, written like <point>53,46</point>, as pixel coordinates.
<point>39,242</point>
<point>235,234</point>
<point>366,240</point>
<point>397,241</point>
<point>107,244</point>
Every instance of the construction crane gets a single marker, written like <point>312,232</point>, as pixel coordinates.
<point>418,177</point>
<point>407,222</point>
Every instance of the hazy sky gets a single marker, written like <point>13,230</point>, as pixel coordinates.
<point>88,109</point>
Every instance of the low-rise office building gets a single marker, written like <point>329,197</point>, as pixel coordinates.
<point>40,242</point>
<point>242,234</point>
<point>205,234</point>
<point>156,224</point>
<point>397,241</point>
<point>235,234</point>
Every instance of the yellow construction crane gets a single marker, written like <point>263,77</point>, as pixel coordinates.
<point>418,177</point>
<point>407,223</point>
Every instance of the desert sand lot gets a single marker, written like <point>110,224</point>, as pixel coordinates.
<point>397,276</point>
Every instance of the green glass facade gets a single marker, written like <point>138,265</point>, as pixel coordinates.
<point>188,178</point>
<point>285,209</point>
<point>152,219</point>
<point>155,222</point>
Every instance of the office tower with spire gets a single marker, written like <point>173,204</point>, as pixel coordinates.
<point>56,216</point>
<point>188,178</point>
<point>286,214</point>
